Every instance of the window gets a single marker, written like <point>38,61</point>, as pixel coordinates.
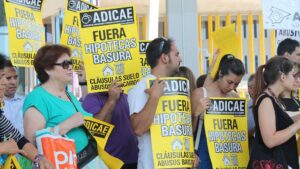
<point>244,29</point>
<point>246,63</point>
<point>256,63</point>
<point>223,23</point>
<point>206,29</point>
<point>255,28</point>
<point>207,64</point>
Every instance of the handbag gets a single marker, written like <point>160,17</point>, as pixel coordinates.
<point>265,158</point>
<point>87,154</point>
<point>90,151</point>
<point>59,150</point>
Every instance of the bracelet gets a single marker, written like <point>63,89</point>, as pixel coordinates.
<point>36,160</point>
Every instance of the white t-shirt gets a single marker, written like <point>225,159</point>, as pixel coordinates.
<point>137,99</point>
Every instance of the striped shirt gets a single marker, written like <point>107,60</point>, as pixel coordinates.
<point>8,131</point>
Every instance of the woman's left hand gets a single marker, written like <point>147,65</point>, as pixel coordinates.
<point>196,161</point>
<point>44,163</point>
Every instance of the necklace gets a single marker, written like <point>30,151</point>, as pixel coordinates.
<point>279,103</point>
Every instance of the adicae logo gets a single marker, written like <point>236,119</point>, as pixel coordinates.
<point>86,18</point>
<point>72,4</point>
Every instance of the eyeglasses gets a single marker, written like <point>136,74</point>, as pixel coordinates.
<point>65,64</point>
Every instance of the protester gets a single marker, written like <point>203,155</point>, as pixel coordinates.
<point>13,101</point>
<point>251,122</point>
<point>164,60</point>
<point>112,107</point>
<point>11,140</point>
<point>229,75</point>
<point>275,131</point>
<point>52,106</point>
<point>290,49</point>
<point>288,96</point>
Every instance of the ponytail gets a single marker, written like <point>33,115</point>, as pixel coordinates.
<point>259,83</point>
<point>229,64</point>
<point>269,73</point>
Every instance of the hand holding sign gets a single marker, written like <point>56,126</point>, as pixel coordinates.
<point>197,161</point>
<point>44,163</point>
<point>202,105</point>
<point>157,89</point>
<point>115,90</point>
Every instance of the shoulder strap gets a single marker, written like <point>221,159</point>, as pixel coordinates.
<point>204,92</point>
<point>71,100</point>
<point>200,123</point>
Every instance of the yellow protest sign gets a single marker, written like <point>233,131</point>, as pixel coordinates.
<point>70,35</point>
<point>226,132</point>
<point>26,32</point>
<point>226,41</point>
<point>100,131</point>
<point>111,161</point>
<point>172,126</point>
<point>12,163</point>
<point>145,67</point>
<point>298,92</point>
<point>110,47</point>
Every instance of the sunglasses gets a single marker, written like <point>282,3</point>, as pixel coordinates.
<point>162,45</point>
<point>65,64</point>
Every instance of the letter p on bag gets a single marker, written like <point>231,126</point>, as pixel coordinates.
<point>59,150</point>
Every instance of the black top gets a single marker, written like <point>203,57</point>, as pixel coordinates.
<point>291,104</point>
<point>283,121</point>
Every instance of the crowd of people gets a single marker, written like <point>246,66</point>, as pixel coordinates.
<point>272,110</point>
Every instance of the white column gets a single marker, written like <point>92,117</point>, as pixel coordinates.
<point>182,26</point>
<point>152,19</point>
<point>53,28</point>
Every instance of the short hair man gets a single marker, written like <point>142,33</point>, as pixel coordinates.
<point>290,49</point>
<point>164,60</point>
<point>13,101</point>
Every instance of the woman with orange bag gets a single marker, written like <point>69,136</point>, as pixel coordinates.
<point>51,106</point>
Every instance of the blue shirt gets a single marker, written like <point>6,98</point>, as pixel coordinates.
<point>13,111</point>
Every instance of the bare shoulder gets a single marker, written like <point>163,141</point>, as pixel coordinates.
<point>197,93</point>
<point>266,103</point>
